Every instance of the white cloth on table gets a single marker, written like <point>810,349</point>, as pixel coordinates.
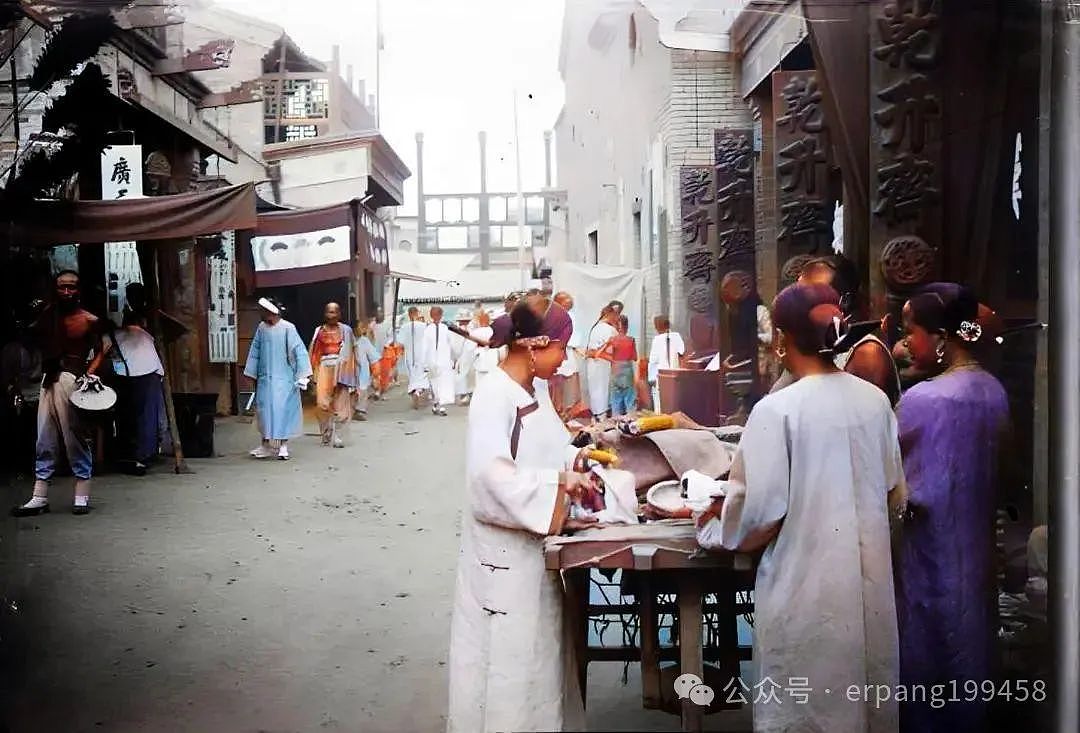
<point>439,361</point>
<point>511,662</point>
<point>598,371</point>
<point>819,458</point>
<point>411,338</point>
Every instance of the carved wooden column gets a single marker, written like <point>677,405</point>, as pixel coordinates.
<point>804,199</point>
<point>697,193</point>
<point>906,149</point>
<point>734,156</point>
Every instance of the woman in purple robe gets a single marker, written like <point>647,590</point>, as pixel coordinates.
<point>950,434</point>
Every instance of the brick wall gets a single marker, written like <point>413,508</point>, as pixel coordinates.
<point>704,97</point>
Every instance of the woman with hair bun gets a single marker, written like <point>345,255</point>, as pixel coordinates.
<point>817,467</point>
<point>510,662</point>
<point>951,429</point>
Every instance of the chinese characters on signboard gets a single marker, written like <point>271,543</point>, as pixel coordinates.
<point>804,197</point>
<point>221,311</point>
<point>697,194</point>
<point>906,116</point>
<point>121,178</point>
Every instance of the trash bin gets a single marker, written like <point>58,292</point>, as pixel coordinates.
<point>195,413</point>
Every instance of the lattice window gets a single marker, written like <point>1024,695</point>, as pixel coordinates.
<point>300,132</point>
<point>302,98</point>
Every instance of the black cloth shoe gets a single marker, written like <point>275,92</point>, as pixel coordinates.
<point>21,511</point>
<point>80,510</point>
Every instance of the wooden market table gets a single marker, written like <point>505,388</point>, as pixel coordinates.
<point>661,557</point>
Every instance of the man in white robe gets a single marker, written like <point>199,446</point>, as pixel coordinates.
<point>411,338</point>
<point>667,349</point>
<point>598,370</point>
<point>439,362</point>
<point>817,467</point>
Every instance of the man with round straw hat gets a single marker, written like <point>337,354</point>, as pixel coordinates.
<point>280,365</point>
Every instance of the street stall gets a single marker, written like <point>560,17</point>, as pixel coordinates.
<point>148,222</point>
<point>645,592</point>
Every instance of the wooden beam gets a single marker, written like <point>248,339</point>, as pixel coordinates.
<point>146,16</point>
<point>210,56</point>
<point>247,93</point>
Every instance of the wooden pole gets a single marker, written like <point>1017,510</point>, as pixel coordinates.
<point>179,462</point>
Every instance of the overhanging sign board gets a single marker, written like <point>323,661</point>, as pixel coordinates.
<point>121,178</point>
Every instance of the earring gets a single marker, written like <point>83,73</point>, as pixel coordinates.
<point>781,352</point>
<point>532,361</point>
<point>940,352</point>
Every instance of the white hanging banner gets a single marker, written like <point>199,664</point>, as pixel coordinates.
<point>221,314</point>
<point>121,178</point>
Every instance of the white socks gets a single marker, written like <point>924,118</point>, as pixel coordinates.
<point>36,503</point>
<point>82,501</point>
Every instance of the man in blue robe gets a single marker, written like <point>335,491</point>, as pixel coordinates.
<point>280,365</point>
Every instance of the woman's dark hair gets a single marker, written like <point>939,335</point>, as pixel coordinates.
<point>808,316</point>
<point>624,322</point>
<point>944,308</point>
<point>525,323</point>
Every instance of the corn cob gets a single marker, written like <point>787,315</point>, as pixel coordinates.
<point>644,425</point>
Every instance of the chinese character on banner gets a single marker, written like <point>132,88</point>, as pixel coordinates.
<point>766,692</point>
<point>799,690</point>
<point>221,313</point>
<point>121,178</point>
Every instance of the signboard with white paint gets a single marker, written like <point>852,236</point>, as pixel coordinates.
<point>293,251</point>
<point>221,312</point>
<point>121,178</point>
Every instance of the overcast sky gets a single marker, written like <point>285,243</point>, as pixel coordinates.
<point>449,70</point>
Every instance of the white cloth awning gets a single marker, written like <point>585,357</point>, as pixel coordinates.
<point>465,287</point>
<point>428,268</point>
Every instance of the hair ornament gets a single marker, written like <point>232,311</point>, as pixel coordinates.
<point>970,331</point>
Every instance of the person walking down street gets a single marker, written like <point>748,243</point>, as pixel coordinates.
<point>333,364</point>
<point>566,384</point>
<point>623,352</point>
<point>411,337</point>
<point>817,471</point>
<point>667,350</point>
<point>140,400</point>
<point>68,336</point>
<point>487,357</point>
<point>439,362</point>
<point>281,368</point>
<point>382,336</point>
<point>366,358</point>
<point>952,428</point>
<point>598,370</point>
<point>511,666</point>
<point>465,354</point>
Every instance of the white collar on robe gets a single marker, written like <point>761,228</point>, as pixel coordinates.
<point>519,397</point>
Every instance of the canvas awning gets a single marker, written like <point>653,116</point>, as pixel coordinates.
<point>302,246</point>
<point>50,223</point>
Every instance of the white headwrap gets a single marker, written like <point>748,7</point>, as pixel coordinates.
<point>266,305</point>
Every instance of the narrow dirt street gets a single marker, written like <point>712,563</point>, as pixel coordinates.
<point>256,597</point>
